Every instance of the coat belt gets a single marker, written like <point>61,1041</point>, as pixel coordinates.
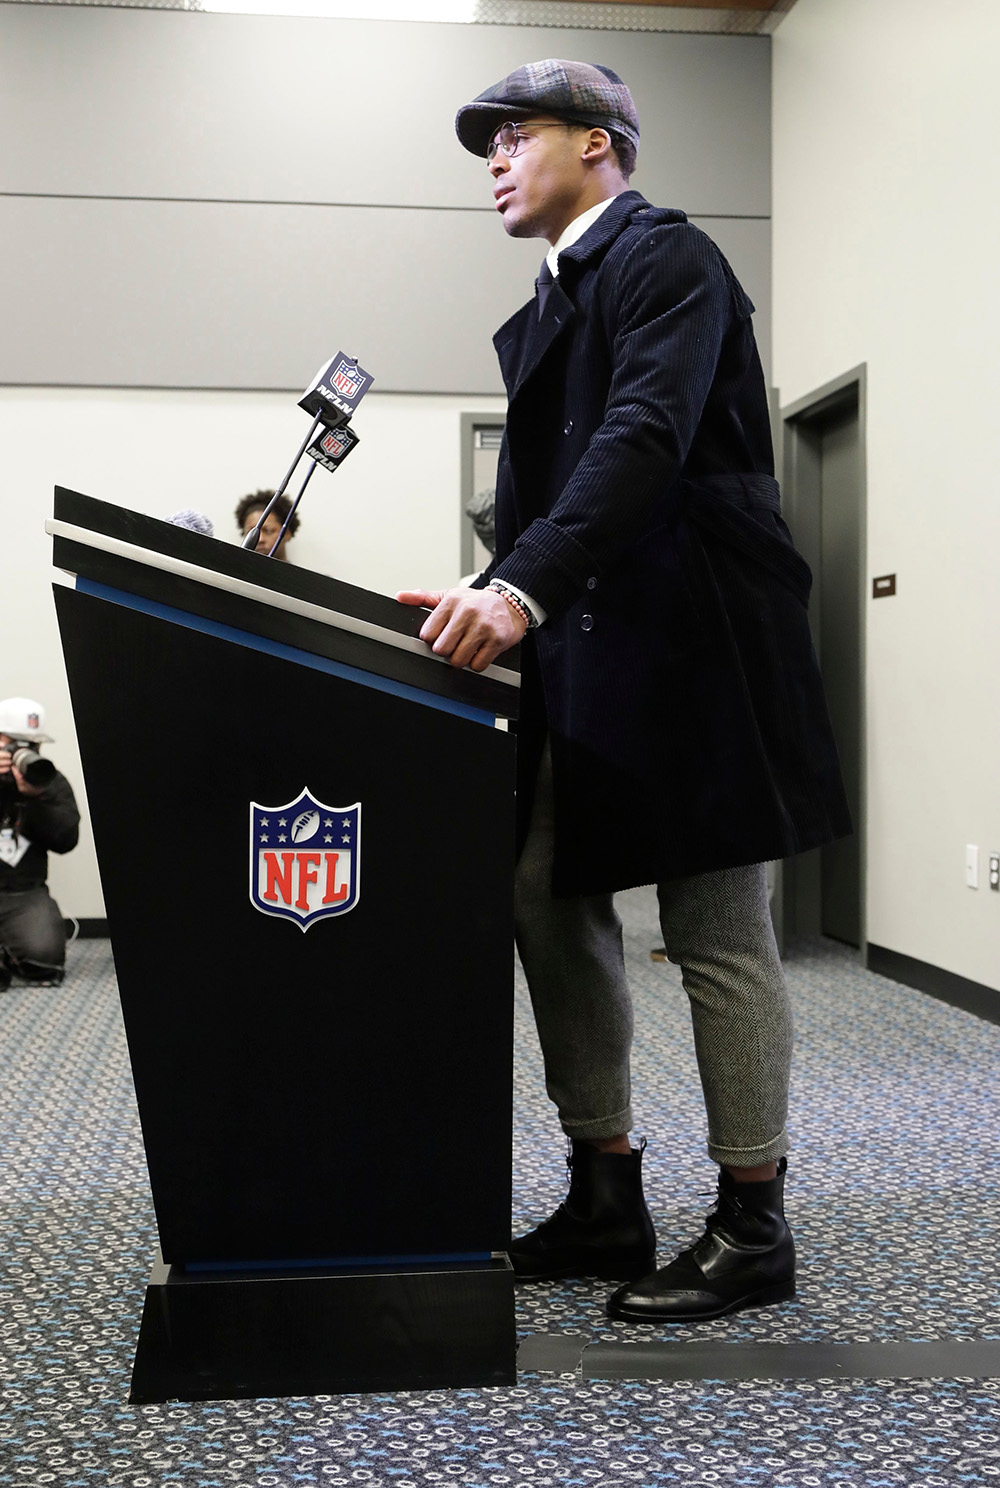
<point>753,490</point>
<point>722,506</point>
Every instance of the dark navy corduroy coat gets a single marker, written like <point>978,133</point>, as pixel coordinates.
<point>636,503</point>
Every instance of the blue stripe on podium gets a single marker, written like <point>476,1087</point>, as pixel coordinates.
<point>287,653</point>
<point>352,1263</point>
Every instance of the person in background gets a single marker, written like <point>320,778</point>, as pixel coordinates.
<point>194,522</point>
<point>248,514</point>
<point>38,815</point>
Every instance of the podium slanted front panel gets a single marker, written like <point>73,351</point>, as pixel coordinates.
<point>320,1025</point>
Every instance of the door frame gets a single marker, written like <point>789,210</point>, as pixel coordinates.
<point>471,424</point>
<point>798,903</point>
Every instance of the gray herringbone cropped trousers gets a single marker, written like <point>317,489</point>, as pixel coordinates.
<point>717,928</point>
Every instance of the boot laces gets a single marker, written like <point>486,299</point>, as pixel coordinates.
<point>726,1206</point>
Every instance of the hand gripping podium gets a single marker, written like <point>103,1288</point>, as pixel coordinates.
<point>304,823</point>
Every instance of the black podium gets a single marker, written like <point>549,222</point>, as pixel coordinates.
<point>304,826</point>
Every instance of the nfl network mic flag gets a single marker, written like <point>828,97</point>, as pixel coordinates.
<point>333,447</point>
<point>336,390</point>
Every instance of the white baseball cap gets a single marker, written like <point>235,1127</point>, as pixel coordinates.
<point>23,718</point>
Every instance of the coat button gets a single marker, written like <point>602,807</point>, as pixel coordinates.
<point>591,583</point>
<point>587,622</point>
<point>569,427</point>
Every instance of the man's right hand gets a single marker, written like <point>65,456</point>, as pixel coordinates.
<point>471,627</point>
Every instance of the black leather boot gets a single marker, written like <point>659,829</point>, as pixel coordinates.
<point>745,1258</point>
<point>601,1229</point>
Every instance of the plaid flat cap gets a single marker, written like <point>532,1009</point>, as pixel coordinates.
<point>580,92</point>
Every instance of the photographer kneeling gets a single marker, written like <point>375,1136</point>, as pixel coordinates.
<point>38,815</point>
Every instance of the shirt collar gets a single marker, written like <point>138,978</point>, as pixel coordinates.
<point>574,231</point>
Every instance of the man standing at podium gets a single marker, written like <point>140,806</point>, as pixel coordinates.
<point>673,728</point>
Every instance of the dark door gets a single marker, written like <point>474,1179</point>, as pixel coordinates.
<point>824,500</point>
<point>840,642</point>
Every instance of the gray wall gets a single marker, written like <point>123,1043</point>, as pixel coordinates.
<point>212,201</point>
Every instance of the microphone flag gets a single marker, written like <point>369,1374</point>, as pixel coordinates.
<point>333,447</point>
<point>336,390</point>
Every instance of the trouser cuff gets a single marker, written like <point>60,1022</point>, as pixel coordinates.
<point>750,1157</point>
<point>606,1126</point>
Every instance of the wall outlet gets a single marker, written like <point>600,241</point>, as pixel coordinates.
<point>971,866</point>
<point>995,872</point>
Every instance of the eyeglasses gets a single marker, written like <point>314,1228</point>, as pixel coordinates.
<point>508,137</point>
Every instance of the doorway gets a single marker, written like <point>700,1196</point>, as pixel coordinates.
<point>482,434</point>
<point>823,440</point>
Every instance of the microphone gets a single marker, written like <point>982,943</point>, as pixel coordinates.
<point>332,398</point>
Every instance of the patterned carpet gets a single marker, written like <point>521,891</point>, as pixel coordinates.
<point>893,1196</point>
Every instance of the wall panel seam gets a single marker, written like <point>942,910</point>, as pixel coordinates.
<point>293,389</point>
<point>236,201</point>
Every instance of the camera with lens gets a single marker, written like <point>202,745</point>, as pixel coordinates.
<point>37,771</point>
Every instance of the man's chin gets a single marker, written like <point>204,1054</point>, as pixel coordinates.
<point>518,227</point>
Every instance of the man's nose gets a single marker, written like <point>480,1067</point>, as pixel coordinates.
<point>498,164</point>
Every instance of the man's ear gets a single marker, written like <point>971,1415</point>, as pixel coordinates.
<point>597,146</point>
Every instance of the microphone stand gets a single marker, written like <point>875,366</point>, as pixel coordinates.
<point>291,510</point>
<point>253,536</point>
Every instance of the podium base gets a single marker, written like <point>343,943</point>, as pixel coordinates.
<point>227,1335</point>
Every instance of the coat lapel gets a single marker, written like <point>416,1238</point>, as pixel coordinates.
<point>559,312</point>
<point>523,342</point>
<point>510,341</point>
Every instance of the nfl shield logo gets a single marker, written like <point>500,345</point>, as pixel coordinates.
<point>334,443</point>
<point>305,859</point>
<point>348,380</point>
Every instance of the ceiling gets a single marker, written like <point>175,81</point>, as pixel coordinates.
<point>735,17</point>
<point>708,15</point>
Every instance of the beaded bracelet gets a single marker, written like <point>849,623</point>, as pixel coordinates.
<point>515,602</point>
